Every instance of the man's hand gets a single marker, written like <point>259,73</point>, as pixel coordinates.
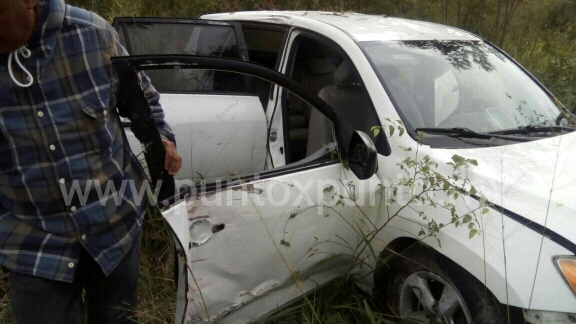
<point>173,161</point>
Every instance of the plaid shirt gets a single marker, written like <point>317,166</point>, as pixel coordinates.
<point>61,131</point>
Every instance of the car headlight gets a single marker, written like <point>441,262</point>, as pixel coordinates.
<point>567,267</point>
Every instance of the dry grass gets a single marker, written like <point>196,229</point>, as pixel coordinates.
<point>156,288</point>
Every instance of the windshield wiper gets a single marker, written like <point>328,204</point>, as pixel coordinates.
<point>534,129</point>
<point>463,132</point>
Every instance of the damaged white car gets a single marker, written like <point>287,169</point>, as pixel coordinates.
<point>417,157</point>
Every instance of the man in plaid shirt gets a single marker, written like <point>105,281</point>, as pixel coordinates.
<point>59,126</point>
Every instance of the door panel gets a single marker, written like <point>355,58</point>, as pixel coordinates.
<point>218,137</point>
<point>205,108</point>
<point>266,242</point>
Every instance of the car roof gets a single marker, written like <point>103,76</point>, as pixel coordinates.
<point>360,27</point>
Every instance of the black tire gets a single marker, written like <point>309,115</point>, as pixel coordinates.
<point>481,305</point>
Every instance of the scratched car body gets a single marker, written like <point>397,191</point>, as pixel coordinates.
<point>263,226</point>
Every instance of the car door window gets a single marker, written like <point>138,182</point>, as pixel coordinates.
<point>324,69</point>
<point>228,139</point>
<point>142,36</point>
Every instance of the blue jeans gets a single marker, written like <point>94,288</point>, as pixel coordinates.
<point>108,300</point>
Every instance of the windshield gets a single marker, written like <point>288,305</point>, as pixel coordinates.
<point>467,84</point>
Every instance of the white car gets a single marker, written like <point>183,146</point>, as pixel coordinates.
<point>276,213</point>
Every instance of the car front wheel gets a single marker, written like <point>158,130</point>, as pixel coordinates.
<point>424,287</point>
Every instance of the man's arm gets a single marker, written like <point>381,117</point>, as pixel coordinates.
<point>173,161</point>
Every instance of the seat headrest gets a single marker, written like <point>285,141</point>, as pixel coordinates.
<point>319,66</point>
<point>345,74</point>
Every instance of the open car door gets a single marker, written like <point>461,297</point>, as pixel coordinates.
<point>198,102</point>
<point>251,244</point>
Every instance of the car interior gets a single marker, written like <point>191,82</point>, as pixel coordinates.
<point>321,68</point>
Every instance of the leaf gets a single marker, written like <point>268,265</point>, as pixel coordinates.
<point>286,243</point>
<point>473,233</point>
<point>457,159</point>
<point>421,233</point>
<point>293,215</point>
<point>446,185</point>
<point>485,211</point>
<point>329,189</point>
<point>392,129</point>
<point>376,132</point>
<point>401,129</point>
<point>467,219</point>
<point>473,162</point>
<point>473,191</point>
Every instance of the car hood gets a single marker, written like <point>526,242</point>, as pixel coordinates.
<point>534,180</point>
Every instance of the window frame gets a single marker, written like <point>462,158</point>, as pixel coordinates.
<point>343,130</point>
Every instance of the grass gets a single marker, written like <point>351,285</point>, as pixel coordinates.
<point>5,308</point>
<point>340,302</point>
<point>156,288</point>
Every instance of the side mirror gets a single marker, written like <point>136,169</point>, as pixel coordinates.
<point>362,156</point>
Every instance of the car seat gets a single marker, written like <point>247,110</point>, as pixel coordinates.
<point>350,101</point>
<point>313,74</point>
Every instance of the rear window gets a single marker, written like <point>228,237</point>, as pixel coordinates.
<point>143,38</point>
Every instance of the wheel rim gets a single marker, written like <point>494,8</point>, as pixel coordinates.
<point>426,297</point>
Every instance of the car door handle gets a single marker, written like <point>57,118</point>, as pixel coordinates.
<point>126,123</point>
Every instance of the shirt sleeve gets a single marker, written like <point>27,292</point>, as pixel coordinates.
<point>151,95</point>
